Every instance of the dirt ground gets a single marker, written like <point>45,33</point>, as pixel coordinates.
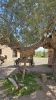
<point>37,61</point>
<point>39,66</point>
<point>49,87</point>
<point>40,61</point>
<point>48,92</point>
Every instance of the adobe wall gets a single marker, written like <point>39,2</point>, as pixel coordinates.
<point>9,52</point>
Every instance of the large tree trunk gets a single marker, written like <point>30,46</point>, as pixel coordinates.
<point>54,63</point>
<point>50,57</point>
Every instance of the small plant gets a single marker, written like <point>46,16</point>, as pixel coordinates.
<point>29,85</point>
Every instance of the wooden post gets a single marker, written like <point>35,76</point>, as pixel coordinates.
<point>24,69</point>
<point>32,60</point>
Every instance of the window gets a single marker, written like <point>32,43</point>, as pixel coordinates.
<point>14,53</point>
<point>0,51</point>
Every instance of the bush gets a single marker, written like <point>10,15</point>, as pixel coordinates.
<point>41,54</point>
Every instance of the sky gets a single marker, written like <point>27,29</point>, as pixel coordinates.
<point>17,29</point>
<point>41,49</point>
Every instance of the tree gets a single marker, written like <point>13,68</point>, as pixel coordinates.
<point>26,21</point>
<point>28,18</point>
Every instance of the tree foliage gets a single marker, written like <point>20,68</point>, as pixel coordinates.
<point>26,19</point>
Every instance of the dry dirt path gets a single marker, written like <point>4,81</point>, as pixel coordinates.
<point>38,67</point>
<point>6,71</point>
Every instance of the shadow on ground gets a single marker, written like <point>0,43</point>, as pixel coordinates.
<point>6,71</point>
